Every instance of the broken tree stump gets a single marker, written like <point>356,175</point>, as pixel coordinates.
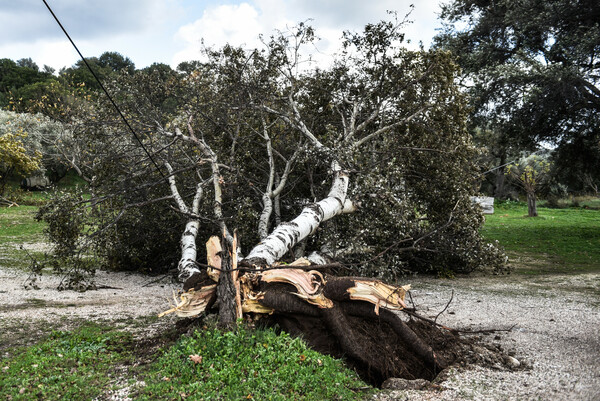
<point>360,319</point>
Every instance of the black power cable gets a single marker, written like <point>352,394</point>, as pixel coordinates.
<point>105,91</point>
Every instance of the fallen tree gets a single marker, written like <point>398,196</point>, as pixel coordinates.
<point>253,140</point>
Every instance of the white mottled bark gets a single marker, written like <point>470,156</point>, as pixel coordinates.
<point>265,215</point>
<point>187,262</point>
<point>288,234</point>
<point>270,193</point>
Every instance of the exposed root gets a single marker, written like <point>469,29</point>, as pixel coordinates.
<point>352,317</point>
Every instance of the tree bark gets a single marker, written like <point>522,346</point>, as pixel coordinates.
<point>288,234</point>
<point>226,288</point>
<point>531,205</point>
<point>500,178</point>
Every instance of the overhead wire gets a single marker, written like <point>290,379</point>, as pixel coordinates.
<point>105,91</point>
<point>506,164</point>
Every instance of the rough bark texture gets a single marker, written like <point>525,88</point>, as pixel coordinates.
<point>226,292</point>
<point>531,205</point>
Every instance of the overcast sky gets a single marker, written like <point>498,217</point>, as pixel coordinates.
<point>170,31</point>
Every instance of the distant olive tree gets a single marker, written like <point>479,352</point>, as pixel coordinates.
<point>42,136</point>
<point>15,158</point>
<point>530,173</point>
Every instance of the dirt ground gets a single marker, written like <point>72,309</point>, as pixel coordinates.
<point>555,322</point>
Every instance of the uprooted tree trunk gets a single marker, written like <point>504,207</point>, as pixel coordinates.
<point>358,318</point>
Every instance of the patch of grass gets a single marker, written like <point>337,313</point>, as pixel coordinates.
<point>586,202</point>
<point>65,366</point>
<point>18,227</point>
<point>248,364</point>
<point>70,182</point>
<point>569,239</point>
<point>17,224</point>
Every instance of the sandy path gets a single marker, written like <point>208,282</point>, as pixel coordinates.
<point>131,297</point>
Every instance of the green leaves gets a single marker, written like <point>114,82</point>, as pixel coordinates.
<point>531,68</point>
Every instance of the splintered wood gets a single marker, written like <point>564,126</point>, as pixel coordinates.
<point>310,286</point>
<point>192,302</point>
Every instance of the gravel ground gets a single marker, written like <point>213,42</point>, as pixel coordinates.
<point>130,296</point>
<point>556,334</point>
<point>556,323</point>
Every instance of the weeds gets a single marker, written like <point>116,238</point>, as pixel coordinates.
<point>240,364</point>
<point>64,366</point>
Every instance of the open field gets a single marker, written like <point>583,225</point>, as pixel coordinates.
<point>566,240</point>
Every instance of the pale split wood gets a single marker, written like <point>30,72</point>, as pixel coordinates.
<point>235,276</point>
<point>213,258</point>
<point>191,303</point>
<point>379,294</point>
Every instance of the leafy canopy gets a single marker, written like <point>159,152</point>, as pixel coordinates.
<point>532,69</point>
<point>392,117</point>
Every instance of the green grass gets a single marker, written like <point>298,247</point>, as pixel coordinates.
<point>569,239</point>
<point>587,201</point>
<point>65,365</point>
<point>13,192</point>
<point>248,364</point>
<point>94,359</point>
<point>18,227</point>
<point>17,224</point>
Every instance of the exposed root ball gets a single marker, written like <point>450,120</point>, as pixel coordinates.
<point>374,348</point>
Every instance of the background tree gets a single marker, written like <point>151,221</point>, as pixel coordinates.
<point>530,173</point>
<point>16,76</point>
<point>16,157</point>
<point>116,62</point>
<point>532,73</point>
<point>42,136</point>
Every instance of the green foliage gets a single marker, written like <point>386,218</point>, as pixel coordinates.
<point>65,365</point>
<point>15,157</point>
<point>66,225</point>
<point>144,239</point>
<point>17,75</point>
<point>248,364</point>
<point>534,74</point>
<point>410,158</point>
<point>569,236</point>
<point>40,136</point>
<point>530,172</point>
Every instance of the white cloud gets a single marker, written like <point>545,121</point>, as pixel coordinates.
<point>238,25</point>
<point>54,53</point>
<point>171,30</point>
